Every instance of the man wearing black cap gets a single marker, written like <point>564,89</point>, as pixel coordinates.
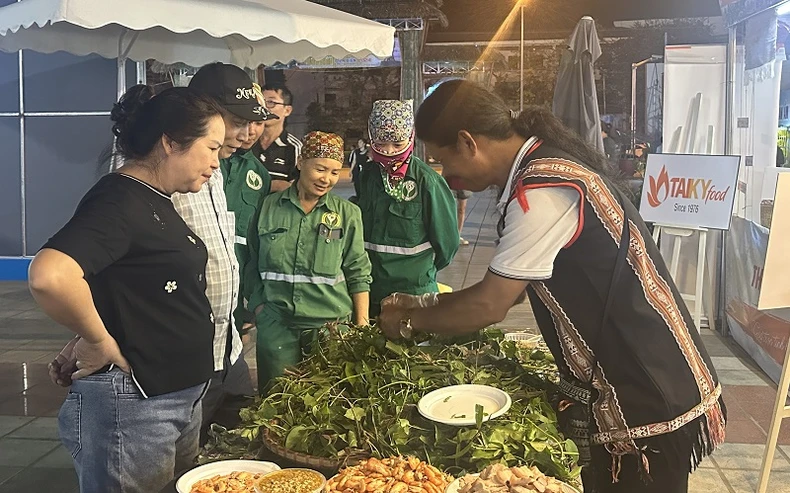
<point>245,179</point>
<point>207,214</point>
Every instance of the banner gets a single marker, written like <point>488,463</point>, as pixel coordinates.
<point>694,191</point>
<point>736,11</point>
<point>695,81</point>
<point>762,334</point>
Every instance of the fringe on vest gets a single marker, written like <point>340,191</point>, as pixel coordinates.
<point>686,447</point>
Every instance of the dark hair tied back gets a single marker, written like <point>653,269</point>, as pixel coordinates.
<point>141,118</point>
<point>126,112</point>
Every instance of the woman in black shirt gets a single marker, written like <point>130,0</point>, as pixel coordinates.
<point>127,275</point>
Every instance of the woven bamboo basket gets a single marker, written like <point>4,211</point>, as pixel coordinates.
<point>310,461</point>
<point>766,213</point>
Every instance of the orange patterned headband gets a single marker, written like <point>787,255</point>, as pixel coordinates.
<point>323,145</point>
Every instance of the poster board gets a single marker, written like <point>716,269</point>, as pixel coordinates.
<point>775,291</point>
<point>692,191</point>
<point>695,81</point>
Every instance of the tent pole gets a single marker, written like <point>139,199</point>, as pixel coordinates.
<point>729,149</point>
<point>142,76</point>
<point>123,55</point>
<point>121,75</point>
<point>22,159</point>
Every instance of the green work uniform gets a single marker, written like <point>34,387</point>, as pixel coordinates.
<point>246,182</point>
<point>303,269</point>
<point>409,241</point>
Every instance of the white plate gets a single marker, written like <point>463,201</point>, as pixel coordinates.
<point>523,337</point>
<point>455,487</point>
<point>223,467</point>
<point>456,405</point>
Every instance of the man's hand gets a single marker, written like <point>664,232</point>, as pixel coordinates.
<point>245,330</point>
<point>64,365</point>
<point>391,318</point>
<point>91,357</point>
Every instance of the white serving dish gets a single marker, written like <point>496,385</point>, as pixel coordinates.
<point>523,337</point>
<point>221,468</point>
<point>456,405</point>
<point>455,487</point>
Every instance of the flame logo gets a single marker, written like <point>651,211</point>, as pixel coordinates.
<point>659,189</point>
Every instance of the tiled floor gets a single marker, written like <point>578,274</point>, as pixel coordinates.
<point>32,459</point>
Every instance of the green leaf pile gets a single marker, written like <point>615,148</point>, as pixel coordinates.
<point>357,395</point>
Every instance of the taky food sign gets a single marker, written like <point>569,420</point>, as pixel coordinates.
<point>689,190</point>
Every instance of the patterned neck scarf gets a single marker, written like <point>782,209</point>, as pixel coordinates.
<point>392,121</point>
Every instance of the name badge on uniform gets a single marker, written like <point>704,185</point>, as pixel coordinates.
<point>329,234</point>
<point>330,227</point>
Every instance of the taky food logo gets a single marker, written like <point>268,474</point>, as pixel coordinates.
<point>664,187</point>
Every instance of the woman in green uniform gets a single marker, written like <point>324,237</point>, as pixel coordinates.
<point>411,231</point>
<point>308,265</point>
<point>246,181</point>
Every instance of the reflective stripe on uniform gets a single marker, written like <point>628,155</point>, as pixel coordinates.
<point>241,240</point>
<point>293,279</point>
<point>397,250</point>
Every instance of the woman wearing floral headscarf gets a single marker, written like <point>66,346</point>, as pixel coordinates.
<point>308,265</point>
<point>408,210</point>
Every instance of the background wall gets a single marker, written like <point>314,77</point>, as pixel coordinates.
<point>61,152</point>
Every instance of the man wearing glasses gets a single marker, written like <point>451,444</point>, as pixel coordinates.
<point>277,149</point>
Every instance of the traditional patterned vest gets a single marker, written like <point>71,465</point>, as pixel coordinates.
<point>654,384</point>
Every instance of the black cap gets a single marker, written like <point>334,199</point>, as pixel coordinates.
<point>232,89</point>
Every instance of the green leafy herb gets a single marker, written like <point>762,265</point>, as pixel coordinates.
<point>357,394</point>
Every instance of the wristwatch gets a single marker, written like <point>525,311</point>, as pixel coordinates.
<point>406,330</point>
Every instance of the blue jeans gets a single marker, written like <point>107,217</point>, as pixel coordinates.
<point>124,443</point>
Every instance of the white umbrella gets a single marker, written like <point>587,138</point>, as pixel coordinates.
<point>246,33</point>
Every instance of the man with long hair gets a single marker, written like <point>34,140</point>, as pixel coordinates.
<point>640,398</point>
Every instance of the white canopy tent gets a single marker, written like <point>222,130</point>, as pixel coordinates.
<point>246,33</point>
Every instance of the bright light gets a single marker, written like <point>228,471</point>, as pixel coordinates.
<point>783,9</point>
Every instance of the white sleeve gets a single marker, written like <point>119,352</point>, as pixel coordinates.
<point>531,240</point>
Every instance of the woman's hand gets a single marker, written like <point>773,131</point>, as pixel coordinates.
<point>64,365</point>
<point>93,356</point>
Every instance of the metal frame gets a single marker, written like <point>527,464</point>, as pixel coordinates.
<point>411,24</point>
<point>450,68</point>
<point>634,70</point>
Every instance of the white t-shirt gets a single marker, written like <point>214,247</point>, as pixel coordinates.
<point>532,239</point>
